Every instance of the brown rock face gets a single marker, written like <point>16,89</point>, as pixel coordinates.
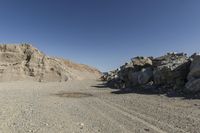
<point>24,62</point>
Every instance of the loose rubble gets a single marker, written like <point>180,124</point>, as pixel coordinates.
<point>171,72</point>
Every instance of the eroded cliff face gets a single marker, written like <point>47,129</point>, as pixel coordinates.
<point>24,62</point>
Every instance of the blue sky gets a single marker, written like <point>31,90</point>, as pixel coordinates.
<point>102,33</point>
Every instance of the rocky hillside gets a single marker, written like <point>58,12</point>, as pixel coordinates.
<point>171,72</point>
<point>24,62</point>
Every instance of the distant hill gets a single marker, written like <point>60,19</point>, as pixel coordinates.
<point>24,62</point>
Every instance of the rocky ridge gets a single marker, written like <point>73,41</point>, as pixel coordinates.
<point>171,72</point>
<point>24,62</point>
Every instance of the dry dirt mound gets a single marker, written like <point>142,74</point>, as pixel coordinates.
<point>24,62</point>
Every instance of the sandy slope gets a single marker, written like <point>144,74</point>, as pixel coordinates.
<point>46,107</point>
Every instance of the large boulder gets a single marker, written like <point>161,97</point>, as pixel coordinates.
<point>194,68</point>
<point>116,83</point>
<point>112,79</point>
<point>134,73</point>
<point>171,69</point>
<point>141,62</point>
<point>193,84</point>
<point>132,79</point>
<point>145,76</point>
<point>140,77</point>
<point>137,71</point>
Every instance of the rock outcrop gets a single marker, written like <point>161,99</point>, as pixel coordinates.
<point>24,62</point>
<point>174,71</point>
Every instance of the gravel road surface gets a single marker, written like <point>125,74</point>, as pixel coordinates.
<point>87,107</point>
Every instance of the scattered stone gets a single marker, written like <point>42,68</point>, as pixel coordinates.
<point>147,129</point>
<point>30,131</point>
<point>81,125</point>
<point>46,124</point>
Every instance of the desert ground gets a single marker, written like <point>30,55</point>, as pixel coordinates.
<point>87,107</point>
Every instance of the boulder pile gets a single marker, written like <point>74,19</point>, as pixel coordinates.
<point>173,71</point>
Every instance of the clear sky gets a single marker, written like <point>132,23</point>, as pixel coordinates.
<point>102,33</point>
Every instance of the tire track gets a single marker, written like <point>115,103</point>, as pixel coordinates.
<point>143,116</point>
<point>130,115</point>
<point>110,119</point>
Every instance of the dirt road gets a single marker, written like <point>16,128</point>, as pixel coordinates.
<point>84,107</point>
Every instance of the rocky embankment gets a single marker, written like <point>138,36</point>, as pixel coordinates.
<point>24,62</point>
<point>174,72</point>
